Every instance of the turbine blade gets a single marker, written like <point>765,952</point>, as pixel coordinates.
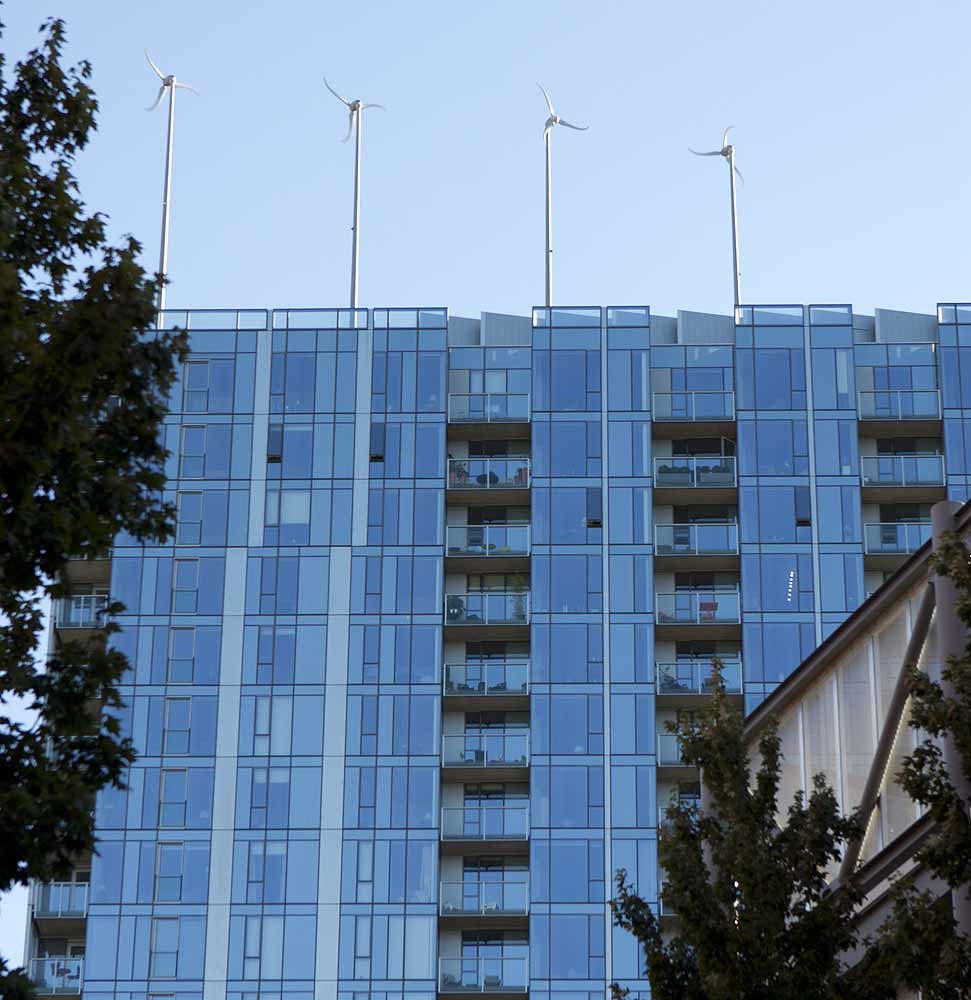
<point>161,94</point>
<point>185,86</point>
<point>380,107</point>
<point>725,136</point>
<point>738,173</point>
<point>343,100</point>
<point>714,152</point>
<point>350,126</point>
<point>579,128</point>
<point>158,72</point>
<point>549,103</point>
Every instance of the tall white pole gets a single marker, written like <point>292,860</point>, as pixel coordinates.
<point>736,274</point>
<point>356,227</point>
<point>549,220</point>
<point>163,254</point>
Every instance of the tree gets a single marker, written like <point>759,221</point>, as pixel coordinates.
<point>754,918</point>
<point>83,388</point>
<point>930,952</point>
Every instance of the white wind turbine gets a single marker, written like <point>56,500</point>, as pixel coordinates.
<point>728,152</point>
<point>553,120</point>
<point>169,83</point>
<point>355,111</point>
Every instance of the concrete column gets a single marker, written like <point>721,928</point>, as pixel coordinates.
<point>952,640</point>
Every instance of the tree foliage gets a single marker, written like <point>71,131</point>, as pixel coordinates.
<point>754,918</point>
<point>83,389</point>
<point>922,935</point>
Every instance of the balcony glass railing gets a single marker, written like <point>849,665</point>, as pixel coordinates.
<point>902,470</point>
<point>500,898</point>
<point>694,405</point>
<point>487,539</point>
<point>488,407</point>
<point>60,975</point>
<point>699,471</point>
<point>696,677</point>
<point>62,899</point>
<point>498,819</point>
<point>483,975</point>
<point>669,750</point>
<point>895,537</point>
<point>487,748</point>
<point>899,404</point>
<point>488,473</point>
<point>696,539</point>
<point>697,607</point>
<point>499,607</point>
<point>81,611</point>
<point>489,677</point>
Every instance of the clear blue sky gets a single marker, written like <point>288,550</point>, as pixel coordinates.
<point>851,122</point>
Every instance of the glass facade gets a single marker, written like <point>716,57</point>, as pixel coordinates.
<point>399,682</point>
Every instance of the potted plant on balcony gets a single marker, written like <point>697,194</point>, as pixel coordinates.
<point>673,475</point>
<point>518,586</point>
<point>458,473</point>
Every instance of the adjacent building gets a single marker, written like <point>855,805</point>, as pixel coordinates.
<point>400,680</point>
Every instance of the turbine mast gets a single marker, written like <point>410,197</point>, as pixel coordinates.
<point>551,122</point>
<point>356,225</point>
<point>163,253</point>
<point>171,84</point>
<point>549,219</point>
<point>355,111</point>
<point>727,152</point>
<point>736,274</point>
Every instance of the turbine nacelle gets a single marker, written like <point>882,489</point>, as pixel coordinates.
<point>727,152</point>
<point>168,81</point>
<point>354,107</point>
<point>554,119</point>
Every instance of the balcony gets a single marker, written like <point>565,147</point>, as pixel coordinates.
<point>683,802</point>
<point>483,903</point>
<point>488,754</point>
<point>500,826</point>
<point>714,409</point>
<point>497,977</point>
<point>80,616</point>
<point>87,572</point>
<point>474,480</point>
<point>669,753</point>
<point>695,678</point>
<point>504,547</point>
<point>476,414</point>
<point>884,543</point>
<point>84,611</point>
<point>906,478</point>
<point>712,545</point>
<point>484,615</point>
<point>680,479</point>
<point>62,899</point>
<point>894,410</point>
<point>486,684</point>
<point>60,976</point>
<point>718,612</point>
<point>664,909</point>
<point>60,909</point>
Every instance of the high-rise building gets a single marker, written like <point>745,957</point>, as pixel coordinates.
<point>399,682</point>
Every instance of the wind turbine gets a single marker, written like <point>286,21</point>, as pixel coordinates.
<point>728,152</point>
<point>553,120</point>
<point>355,110</point>
<point>169,83</point>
